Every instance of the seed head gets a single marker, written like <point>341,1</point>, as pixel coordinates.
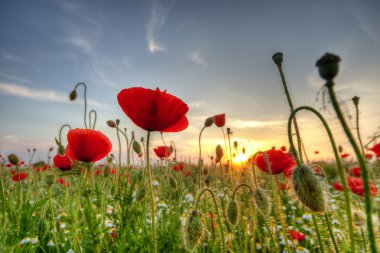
<point>355,100</point>
<point>308,189</point>
<point>328,66</point>
<point>278,58</point>
<point>13,159</point>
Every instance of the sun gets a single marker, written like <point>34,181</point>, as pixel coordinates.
<point>240,158</point>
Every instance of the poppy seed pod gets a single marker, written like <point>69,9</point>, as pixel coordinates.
<point>355,100</point>
<point>278,58</point>
<point>328,66</point>
<point>219,152</point>
<point>73,95</point>
<point>193,232</point>
<point>61,150</point>
<point>111,123</point>
<point>13,159</point>
<point>308,189</point>
<point>232,213</point>
<point>209,121</point>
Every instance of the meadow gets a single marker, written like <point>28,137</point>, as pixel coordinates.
<point>86,200</point>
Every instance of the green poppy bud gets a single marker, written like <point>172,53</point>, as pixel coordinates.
<point>49,180</point>
<point>61,150</point>
<point>73,95</point>
<point>209,121</point>
<point>308,189</point>
<point>278,58</point>
<point>232,213</point>
<point>219,152</point>
<point>136,147</point>
<point>173,182</point>
<point>193,231</point>
<point>13,159</point>
<point>117,122</point>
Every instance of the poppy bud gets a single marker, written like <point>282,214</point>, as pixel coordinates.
<point>229,130</point>
<point>171,149</point>
<point>193,232</point>
<point>277,58</point>
<point>136,147</point>
<point>340,148</point>
<point>207,181</point>
<point>232,213</point>
<point>61,150</point>
<point>209,121</point>
<point>236,144</point>
<point>308,189</point>
<point>111,123</point>
<point>262,203</point>
<point>173,182</point>
<point>355,100</point>
<point>28,149</point>
<point>243,151</point>
<point>13,159</point>
<point>205,171</point>
<point>34,150</point>
<point>328,66</point>
<point>117,122</point>
<point>73,95</point>
<point>49,180</point>
<point>51,149</point>
<point>142,139</point>
<point>219,152</point>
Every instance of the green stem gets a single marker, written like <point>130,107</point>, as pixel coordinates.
<point>95,117</point>
<point>200,158</point>
<point>318,234</point>
<point>53,219</point>
<point>331,233</point>
<point>151,194</point>
<point>85,101</point>
<point>362,164</point>
<point>291,109</point>
<point>231,169</point>
<point>338,163</point>
<point>216,211</point>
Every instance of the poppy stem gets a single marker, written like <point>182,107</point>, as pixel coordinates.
<point>230,160</point>
<point>60,131</point>
<point>119,142</point>
<point>200,158</point>
<point>362,164</point>
<point>372,140</point>
<point>337,160</point>
<point>19,199</point>
<point>89,118</point>
<point>216,211</point>
<point>320,242</point>
<point>331,233</point>
<point>151,194</point>
<point>85,101</point>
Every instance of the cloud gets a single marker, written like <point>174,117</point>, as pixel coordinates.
<point>15,78</point>
<point>197,58</point>
<point>81,43</point>
<point>242,124</point>
<point>154,25</point>
<point>43,95</point>
<point>197,104</point>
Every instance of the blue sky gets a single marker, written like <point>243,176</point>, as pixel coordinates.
<point>214,55</point>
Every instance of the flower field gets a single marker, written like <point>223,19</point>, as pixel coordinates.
<point>87,200</point>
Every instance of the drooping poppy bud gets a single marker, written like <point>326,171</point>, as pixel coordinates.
<point>236,144</point>
<point>173,182</point>
<point>136,147</point>
<point>111,123</point>
<point>13,159</point>
<point>73,95</point>
<point>49,180</point>
<point>308,189</point>
<point>355,100</point>
<point>209,121</point>
<point>328,66</point>
<point>219,152</point>
<point>232,213</point>
<point>193,231</point>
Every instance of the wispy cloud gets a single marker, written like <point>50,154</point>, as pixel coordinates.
<point>81,43</point>
<point>15,78</point>
<point>156,21</point>
<point>197,58</point>
<point>242,124</point>
<point>197,104</point>
<point>42,95</point>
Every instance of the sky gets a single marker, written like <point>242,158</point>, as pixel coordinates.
<point>214,55</point>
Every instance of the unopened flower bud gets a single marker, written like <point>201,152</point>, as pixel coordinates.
<point>136,147</point>
<point>13,159</point>
<point>219,152</point>
<point>236,144</point>
<point>111,123</point>
<point>51,149</point>
<point>61,150</point>
<point>117,122</point>
<point>193,231</point>
<point>49,180</point>
<point>73,95</point>
<point>232,213</point>
<point>209,121</point>
<point>278,58</point>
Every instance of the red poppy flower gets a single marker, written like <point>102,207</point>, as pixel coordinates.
<point>62,182</point>
<point>297,235</point>
<point>220,120</point>
<point>186,173</point>
<point>356,185</point>
<point>355,172</point>
<point>211,215</point>
<point>87,145</point>
<point>98,172</point>
<point>283,148</point>
<point>345,155</point>
<point>178,167</point>
<point>19,177</point>
<point>283,186</point>
<point>62,162</point>
<point>338,186</point>
<point>8,165</point>
<point>162,151</point>
<point>279,161</point>
<point>368,155</point>
<point>376,149</point>
<point>154,110</point>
